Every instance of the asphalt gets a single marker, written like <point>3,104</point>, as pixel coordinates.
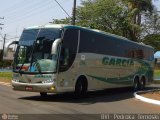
<point>139,95</point>
<point>108,101</point>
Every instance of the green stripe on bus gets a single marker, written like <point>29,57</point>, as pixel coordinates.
<point>121,80</point>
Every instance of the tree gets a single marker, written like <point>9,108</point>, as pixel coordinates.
<point>136,10</point>
<point>151,30</point>
<point>136,7</point>
<point>62,21</point>
<point>153,40</point>
<point>151,24</point>
<point>120,17</point>
<point>107,15</point>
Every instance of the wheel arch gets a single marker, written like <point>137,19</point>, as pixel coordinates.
<point>136,77</point>
<point>144,79</point>
<point>81,77</point>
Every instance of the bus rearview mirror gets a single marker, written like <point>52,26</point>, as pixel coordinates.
<point>5,52</point>
<point>55,46</point>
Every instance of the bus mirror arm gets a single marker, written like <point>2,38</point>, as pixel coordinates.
<point>55,46</point>
<point>7,47</point>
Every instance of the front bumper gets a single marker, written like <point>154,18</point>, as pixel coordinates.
<point>48,87</point>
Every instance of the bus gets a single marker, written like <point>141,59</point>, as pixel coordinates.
<point>58,58</point>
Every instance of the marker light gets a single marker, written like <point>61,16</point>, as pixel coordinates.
<point>52,88</point>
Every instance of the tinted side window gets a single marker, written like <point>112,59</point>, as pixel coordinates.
<point>91,42</point>
<point>69,49</point>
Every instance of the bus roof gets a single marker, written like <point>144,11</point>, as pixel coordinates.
<point>88,29</point>
<point>47,26</point>
<point>109,34</point>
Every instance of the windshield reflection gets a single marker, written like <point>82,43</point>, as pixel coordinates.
<point>34,51</point>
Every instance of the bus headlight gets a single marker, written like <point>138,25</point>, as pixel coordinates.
<point>47,81</point>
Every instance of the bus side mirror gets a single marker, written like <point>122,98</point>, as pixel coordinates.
<point>5,52</point>
<point>55,46</point>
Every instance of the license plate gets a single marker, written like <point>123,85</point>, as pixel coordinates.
<point>29,88</point>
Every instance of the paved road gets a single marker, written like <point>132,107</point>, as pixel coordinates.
<point>106,101</point>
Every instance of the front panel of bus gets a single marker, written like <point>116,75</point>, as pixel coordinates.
<point>34,66</point>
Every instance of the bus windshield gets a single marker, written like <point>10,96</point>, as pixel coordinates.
<point>34,51</point>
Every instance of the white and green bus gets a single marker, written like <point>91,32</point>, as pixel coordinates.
<point>65,58</point>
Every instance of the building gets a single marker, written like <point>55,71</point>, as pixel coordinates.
<point>9,56</point>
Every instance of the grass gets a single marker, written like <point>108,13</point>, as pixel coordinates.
<point>157,74</point>
<point>5,76</point>
<point>156,81</point>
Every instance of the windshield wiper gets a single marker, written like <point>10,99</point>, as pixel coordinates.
<point>32,56</point>
<point>23,65</point>
<point>38,67</point>
<point>21,68</point>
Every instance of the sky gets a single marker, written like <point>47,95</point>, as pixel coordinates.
<point>19,14</point>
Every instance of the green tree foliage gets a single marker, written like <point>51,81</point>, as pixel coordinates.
<point>151,30</point>
<point>133,19</point>
<point>121,17</point>
<point>5,63</point>
<point>62,21</point>
<point>136,10</point>
<point>151,24</point>
<point>153,40</point>
<point>137,7</point>
<point>107,15</point>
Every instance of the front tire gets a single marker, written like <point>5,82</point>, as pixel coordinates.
<point>81,88</point>
<point>142,83</point>
<point>136,85</point>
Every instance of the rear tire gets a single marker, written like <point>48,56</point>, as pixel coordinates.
<point>136,85</point>
<point>81,88</point>
<point>142,83</point>
<point>43,94</point>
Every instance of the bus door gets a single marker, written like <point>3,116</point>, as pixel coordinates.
<point>67,62</point>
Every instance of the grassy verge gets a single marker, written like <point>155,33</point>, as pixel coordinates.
<point>5,77</point>
<point>156,81</point>
<point>157,74</point>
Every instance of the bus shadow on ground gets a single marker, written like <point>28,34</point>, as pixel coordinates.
<point>107,95</point>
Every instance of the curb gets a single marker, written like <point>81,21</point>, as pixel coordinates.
<point>144,99</point>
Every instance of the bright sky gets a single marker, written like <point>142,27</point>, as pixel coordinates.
<point>19,14</point>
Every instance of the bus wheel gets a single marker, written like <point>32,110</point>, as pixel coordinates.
<point>43,94</point>
<point>81,87</point>
<point>136,85</point>
<point>142,83</point>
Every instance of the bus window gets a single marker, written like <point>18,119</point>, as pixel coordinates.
<point>64,57</point>
<point>69,49</point>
